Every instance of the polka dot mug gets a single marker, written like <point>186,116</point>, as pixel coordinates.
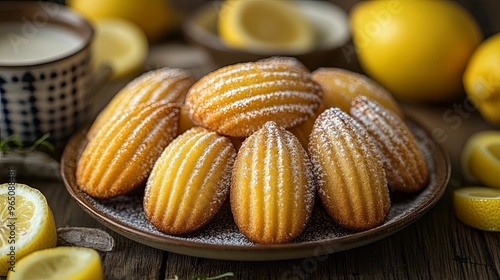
<point>44,70</point>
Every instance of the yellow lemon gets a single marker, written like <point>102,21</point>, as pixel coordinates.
<point>120,44</point>
<point>155,17</point>
<point>27,224</point>
<point>480,158</point>
<point>478,207</point>
<point>61,263</point>
<point>265,26</point>
<point>418,50</point>
<point>482,79</point>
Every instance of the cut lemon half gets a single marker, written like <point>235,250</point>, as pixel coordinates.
<point>27,224</point>
<point>265,26</point>
<point>61,263</point>
<point>478,207</point>
<point>480,158</point>
<point>120,44</point>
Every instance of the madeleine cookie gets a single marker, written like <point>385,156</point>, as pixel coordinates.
<point>121,155</point>
<point>286,60</point>
<point>165,85</point>
<point>189,182</point>
<point>403,159</point>
<point>349,171</point>
<point>341,86</point>
<point>272,191</point>
<point>237,100</point>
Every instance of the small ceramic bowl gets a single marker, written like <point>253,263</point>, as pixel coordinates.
<point>330,23</point>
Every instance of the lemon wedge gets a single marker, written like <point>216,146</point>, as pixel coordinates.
<point>27,224</point>
<point>480,158</point>
<point>265,26</point>
<point>120,44</point>
<point>61,263</point>
<point>478,207</point>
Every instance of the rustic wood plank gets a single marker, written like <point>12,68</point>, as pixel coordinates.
<point>492,240</point>
<point>133,260</point>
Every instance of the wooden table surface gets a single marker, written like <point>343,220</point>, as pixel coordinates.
<point>437,246</point>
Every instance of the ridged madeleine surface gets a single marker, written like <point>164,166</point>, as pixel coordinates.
<point>272,192</point>
<point>121,155</point>
<point>237,100</point>
<point>189,182</point>
<point>341,86</point>
<point>287,60</point>
<point>349,171</point>
<point>403,159</point>
<point>165,85</point>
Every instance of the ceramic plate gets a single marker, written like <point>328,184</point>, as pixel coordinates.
<point>221,239</point>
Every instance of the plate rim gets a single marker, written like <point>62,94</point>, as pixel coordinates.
<point>255,252</point>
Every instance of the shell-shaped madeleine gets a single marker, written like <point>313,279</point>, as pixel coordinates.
<point>189,182</point>
<point>340,87</point>
<point>287,60</point>
<point>239,99</point>
<point>349,171</point>
<point>403,159</point>
<point>273,191</point>
<point>161,85</point>
<point>120,157</point>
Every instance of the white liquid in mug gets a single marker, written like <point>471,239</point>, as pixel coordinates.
<point>24,44</point>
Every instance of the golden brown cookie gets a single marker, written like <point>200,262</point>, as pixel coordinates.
<point>341,86</point>
<point>237,100</point>
<point>164,84</point>
<point>189,182</point>
<point>349,171</point>
<point>119,158</point>
<point>272,191</point>
<point>287,60</point>
<point>403,159</point>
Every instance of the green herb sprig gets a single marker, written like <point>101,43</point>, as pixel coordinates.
<point>13,144</point>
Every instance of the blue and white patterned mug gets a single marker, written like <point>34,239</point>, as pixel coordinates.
<point>44,70</point>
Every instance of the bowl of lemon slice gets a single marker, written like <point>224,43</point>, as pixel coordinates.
<point>315,32</point>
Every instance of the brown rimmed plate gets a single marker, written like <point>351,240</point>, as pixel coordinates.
<point>221,239</point>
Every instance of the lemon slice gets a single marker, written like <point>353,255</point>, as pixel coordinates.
<point>27,224</point>
<point>478,207</point>
<point>120,44</point>
<point>61,263</point>
<point>265,26</point>
<point>480,158</point>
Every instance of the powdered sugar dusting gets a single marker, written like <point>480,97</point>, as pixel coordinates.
<point>241,93</point>
<point>127,211</point>
<point>403,160</point>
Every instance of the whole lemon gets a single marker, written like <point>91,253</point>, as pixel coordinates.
<point>155,17</point>
<point>418,50</point>
<point>482,79</point>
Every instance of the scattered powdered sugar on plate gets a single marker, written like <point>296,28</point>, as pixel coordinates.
<point>127,211</point>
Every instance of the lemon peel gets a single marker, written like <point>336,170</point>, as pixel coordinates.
<point>156,17</point>
<point>28,224</point>
<point>418,50</point>
<point>478,207</point>
<point>480,158</point>
<point>482,79</point>
<point>265,26</point>
<point>62,263</point>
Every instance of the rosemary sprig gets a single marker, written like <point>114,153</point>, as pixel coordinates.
<point>13,144</point>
